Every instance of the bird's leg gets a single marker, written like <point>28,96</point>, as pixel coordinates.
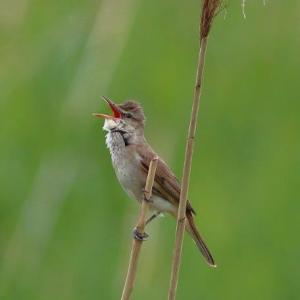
<point>154,216</point>
<point>139,234</point>
<point>144,236</point>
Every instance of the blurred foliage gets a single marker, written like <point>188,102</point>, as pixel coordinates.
<point>65,223</point>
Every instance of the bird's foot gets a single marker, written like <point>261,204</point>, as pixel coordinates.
<point>140,236</point>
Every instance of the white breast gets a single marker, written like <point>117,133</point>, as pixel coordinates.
<point>126,165</point>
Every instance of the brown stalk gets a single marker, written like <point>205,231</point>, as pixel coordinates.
<point>137,244</point>
<point>209,10</point>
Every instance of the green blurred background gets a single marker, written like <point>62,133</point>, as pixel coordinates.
<point>65,223</point>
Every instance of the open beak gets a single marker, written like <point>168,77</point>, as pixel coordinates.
<point>115,110</point>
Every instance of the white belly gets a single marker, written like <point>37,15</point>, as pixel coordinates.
<point>129,176</point>
<point>162,205</point>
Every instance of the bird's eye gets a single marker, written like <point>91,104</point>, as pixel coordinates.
<point>129,116</point>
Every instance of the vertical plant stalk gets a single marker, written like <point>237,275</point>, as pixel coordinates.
<point>209,10</point>
<point>137,244</point>
<point>181,217</point>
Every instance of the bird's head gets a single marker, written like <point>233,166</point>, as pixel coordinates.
<point>127,117</point>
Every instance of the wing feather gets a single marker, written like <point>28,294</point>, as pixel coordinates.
<point>166,185</point>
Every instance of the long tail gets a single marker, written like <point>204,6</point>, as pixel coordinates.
<point>192,230</point>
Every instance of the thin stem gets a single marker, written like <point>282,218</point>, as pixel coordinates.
<point>186,173</point>
<point>137,244</point>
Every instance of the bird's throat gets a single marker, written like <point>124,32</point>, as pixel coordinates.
<point>115,142</point>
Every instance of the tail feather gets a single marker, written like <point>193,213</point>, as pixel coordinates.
<point>192,229</point>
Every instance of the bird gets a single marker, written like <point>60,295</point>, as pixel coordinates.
<point>131,155</point>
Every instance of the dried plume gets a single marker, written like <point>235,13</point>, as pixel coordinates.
<point>210,8</point>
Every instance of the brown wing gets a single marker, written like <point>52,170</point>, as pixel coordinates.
<point>166,184</point>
